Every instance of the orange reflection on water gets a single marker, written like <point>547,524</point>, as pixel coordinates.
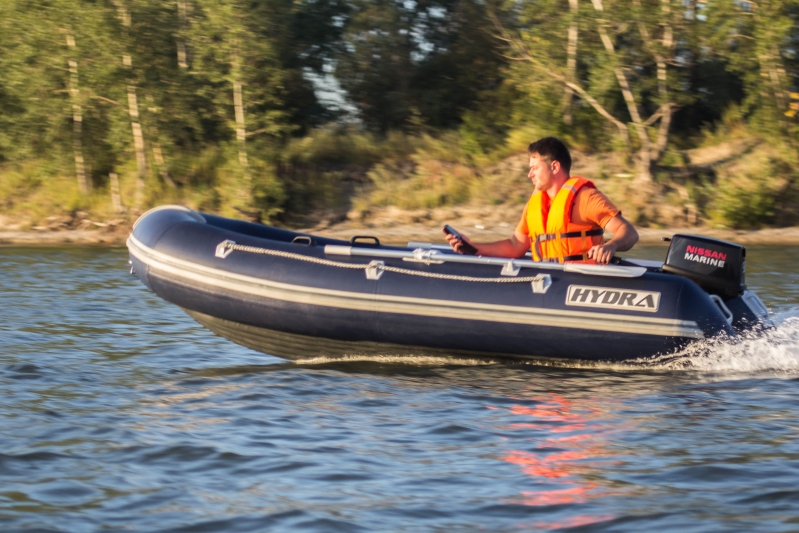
<point>567,457</point>
<point>572,521</point>
<point>577,494</point>
<point>550,466</point>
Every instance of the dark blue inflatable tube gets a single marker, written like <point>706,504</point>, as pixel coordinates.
<point>296,296</point>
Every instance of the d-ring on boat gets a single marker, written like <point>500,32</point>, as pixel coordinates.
<point>296,295</point>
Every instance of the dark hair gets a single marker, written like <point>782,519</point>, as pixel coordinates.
<point>553,149</point>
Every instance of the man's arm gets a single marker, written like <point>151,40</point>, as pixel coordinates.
<point>624,238</point>
<point>516,246</point>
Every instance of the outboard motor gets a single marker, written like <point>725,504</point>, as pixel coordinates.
<point>719,268</point>
<point>716,266</point>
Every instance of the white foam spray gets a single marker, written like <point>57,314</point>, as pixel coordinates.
<point>775,350</point>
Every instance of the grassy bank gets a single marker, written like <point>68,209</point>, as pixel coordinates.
<point>731,178</point>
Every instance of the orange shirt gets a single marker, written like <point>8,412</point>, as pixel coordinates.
<point>590,207</point>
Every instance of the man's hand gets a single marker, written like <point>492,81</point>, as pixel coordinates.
<point>516,246</point>
<point>455,242</point>
<point>624,238</point>
<point>602,253</point>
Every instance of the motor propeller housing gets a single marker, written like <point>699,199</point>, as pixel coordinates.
<point>716,266</point>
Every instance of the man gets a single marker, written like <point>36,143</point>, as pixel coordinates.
<point>565,217</point>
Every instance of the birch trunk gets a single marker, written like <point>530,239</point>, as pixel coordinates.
<point>664,113</point>
<point>768,65</point>
<point>238,107</point>
<point>133,112</point>
<point>116,199</point>
<point>571,63</point>
<point>77,121</point>
<point>138,139</point>
<point>182,56</point>
<point>644,153</point>
<point>155,143</point>
<point>159,161</point>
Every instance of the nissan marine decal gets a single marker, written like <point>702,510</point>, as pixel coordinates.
<point>706,256</point>
<point>609,298</point>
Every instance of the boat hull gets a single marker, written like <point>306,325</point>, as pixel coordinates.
<point>307,303</point>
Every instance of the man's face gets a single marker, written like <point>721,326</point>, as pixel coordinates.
<point>541,172</point>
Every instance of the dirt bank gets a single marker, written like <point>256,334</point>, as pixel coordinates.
<point>398,232</point>
<point>401,234</point>
<point>104,237</point>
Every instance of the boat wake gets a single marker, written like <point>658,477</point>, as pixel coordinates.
<point>775,350</point>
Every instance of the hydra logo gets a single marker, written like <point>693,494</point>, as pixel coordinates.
<point>608,298</point>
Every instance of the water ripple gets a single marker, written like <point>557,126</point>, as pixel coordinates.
<point>120,413</point>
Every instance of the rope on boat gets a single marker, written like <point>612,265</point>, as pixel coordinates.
<point>360,266</point>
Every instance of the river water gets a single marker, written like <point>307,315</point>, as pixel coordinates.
<point>119,413</point>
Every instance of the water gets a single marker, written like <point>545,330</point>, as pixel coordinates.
<point>119,413</point>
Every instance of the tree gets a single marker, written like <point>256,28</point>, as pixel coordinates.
<point>405,63</point>
<point>628,65</point>
<point>54,54</point>
<point>758,42</point>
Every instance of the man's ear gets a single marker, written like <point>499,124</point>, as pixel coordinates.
<point>555,166</point>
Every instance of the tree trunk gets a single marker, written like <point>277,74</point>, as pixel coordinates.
<point>133,112</point>
<point>644,154</point>
<point>138,141</point>
<point>116,199</point>
<point>182,56</point>
<point>159,161</point>
<point>768,65</point>
<point>77,122</point>
<point>665,110</point>
<point>241,134</point>
<point>158,155</point>
<point>571,63</point>
<point>238,107</point>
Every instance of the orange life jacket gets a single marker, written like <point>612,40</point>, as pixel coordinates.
<point>553,236</point>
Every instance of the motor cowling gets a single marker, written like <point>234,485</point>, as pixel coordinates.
<point>716,266</point>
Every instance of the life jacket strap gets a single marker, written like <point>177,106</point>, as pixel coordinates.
<point>578,257</point>
<point>568,235</point>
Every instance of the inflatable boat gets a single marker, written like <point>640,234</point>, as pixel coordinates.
<point>296,295</point>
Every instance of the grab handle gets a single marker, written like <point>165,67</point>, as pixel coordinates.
<point>358,237</point>
<point>303,239</point>
<point>728,316</point>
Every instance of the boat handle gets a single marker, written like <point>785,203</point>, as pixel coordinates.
<point>357,237</point>
<point>303,239</point>
<point>728,316</point>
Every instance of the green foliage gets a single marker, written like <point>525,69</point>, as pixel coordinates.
<point>411,64</point>
<point>437,105</point>
<point>746,202</point>
<point>759,194</point>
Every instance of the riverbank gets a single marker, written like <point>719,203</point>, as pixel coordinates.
<point>410,198</point>
<point>398,233</point>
